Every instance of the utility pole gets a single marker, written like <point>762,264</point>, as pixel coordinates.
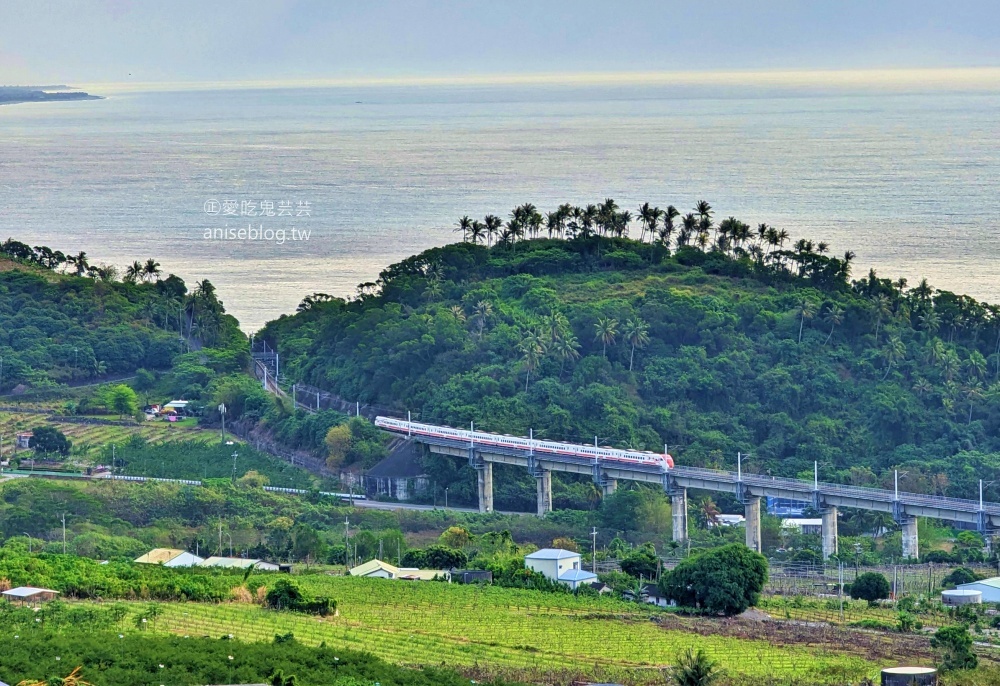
<point>64,532</point>
<point>222,411</point>
<point>347,540</point>
<point>593,562</point>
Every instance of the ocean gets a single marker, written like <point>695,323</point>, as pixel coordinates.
<point>906,177</point>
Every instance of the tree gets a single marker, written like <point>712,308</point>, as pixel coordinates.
<point>834,316</point>
<point>122,399</point>
<point>532,349</point>
<point>725,580</point>
<point>641,562</point>
<point>338,443</point>
<point>455,537</point>
<point>955,645</point>
<point>695,669</point>
<point>805,311</point>
<point>870,586</point>
<point>606,329</point>
<point>636,332</point>
<point>49,440</point>
<point>151,270</point>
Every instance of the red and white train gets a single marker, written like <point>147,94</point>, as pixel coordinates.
<point>635,457</point>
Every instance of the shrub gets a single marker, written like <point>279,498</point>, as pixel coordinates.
<point>695,669</point>
<point>724,580</point>
<point>962,575</point>
<point>286,595</point>
<point>870,586</point>
<point>955,644</point>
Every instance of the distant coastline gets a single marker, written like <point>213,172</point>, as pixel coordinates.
<point>12,95</point>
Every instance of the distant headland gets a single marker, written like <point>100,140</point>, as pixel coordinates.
<point>10,95</point>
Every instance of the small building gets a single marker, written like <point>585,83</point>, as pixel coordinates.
<point>472,576</point>
<point>169,557</point>
<point>238,563</point>
<point>652,594</point>
<point>29,594</point>
<point>601,587</point>
<point>729,520</point>
<point>22,440</point>
<point>961,596</point>
<point>803,526</point>
<point>552,563</point>
<point>990,588</point>
<point>400,475</point>
<point>377,569</point>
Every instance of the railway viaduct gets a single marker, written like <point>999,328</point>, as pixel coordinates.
<point>749,489</point>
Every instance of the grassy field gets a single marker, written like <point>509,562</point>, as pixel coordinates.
<point>505,632</point>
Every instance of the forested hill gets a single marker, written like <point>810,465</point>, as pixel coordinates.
<point>714,340</point>
<point>94,322</point>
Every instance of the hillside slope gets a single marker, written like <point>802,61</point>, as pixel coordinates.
<point>711,352</point>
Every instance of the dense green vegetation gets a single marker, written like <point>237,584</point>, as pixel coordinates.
<point>725,580</point>
<point>110,659</point>
<point>63,328</point>
<point>711,339</point>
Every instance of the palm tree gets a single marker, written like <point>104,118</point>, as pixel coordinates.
<point>477,231</point>
<point>457,312</point>
<point>695,669</point>
<point>882,309</point>
<point>566,348</point>
<point>893,352</point>
<point>975,366</point>
<point>133,272</point>
<point>556,325</point>
<point>667,230</point>
<point>834,316</point>
<point>636,332</point>
<point>79,262</point>
<point>463,225</point>
<point>482,312</point>
<point>493,224</point>
<point>606,329</point>
<point>972,393</point>
<point>805,311</point>
<point>532,348</point>
<point>151,270</point>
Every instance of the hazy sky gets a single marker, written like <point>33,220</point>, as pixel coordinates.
<point>81,41</point>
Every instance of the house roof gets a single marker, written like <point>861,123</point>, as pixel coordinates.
<point>652,590</point>
<point>229,562</point>
<point>577,575</point>
<point>551,554</point>
<point>402,463</point>
<point>993,582</point>
<point>373,566</point>
<point>158,556</point>
<point>27,592</point>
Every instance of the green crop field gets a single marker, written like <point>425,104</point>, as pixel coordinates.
<point>503,631</point>
<point>88,438</point>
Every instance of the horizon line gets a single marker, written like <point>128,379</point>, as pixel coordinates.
<point>882,77</point>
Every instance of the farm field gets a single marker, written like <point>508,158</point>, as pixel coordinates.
<point>89,438</point>
<point>505,632</point>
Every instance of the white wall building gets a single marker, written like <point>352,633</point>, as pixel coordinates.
<point>169,557</point>
<point>990,588</point>
<point>559,565</point>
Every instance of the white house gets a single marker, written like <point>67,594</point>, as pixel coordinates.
<point>169,557</point>
<point>559,565</point>
<point>239,563</point>
<point>990,588</point>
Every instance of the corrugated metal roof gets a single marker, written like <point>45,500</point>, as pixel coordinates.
<point>27,592</point>
<point>159,556</point>
<point>229,562</point>
<point>551,554</point>
<point>577,575</point>
<point>992,583</point>
<point>373,566</point>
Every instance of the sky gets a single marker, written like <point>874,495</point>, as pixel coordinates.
<point>144,41</point>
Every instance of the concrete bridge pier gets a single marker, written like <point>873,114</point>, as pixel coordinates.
<point>679,508</point>
<point>485,473</point>
<point>829,516</point>
<point>910,542</point>
<point>608,487</point>
<point>544,480</point>
<point>753,523</point>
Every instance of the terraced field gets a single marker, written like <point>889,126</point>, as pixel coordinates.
<point>495,631</point>
<point>88,438</point>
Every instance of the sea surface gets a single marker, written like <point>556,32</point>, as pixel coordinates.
<point>906,177</point>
